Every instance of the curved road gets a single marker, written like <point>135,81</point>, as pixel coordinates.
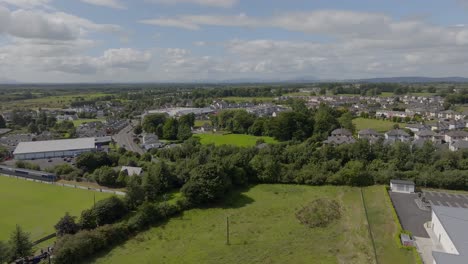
<point>125,139</point>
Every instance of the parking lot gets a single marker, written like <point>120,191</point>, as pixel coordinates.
<point>411,217</point>
<point>446,199</point>
<point>44,163</point>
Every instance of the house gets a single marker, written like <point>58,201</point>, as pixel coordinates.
<point>340,136</point>
<point>151,141</point>
<point>397,135</point>
<point>416,127</point>
<point>369,134</point>
<point>453,136</point>
<point>402,186</point>
<point>132,171</point>
<point>458,145</point>
<point>424,134</point>
<point>449,228</point>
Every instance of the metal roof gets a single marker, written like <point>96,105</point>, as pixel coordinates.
<point>455,222</point>
<point>55,145</point>
<point>402,182</point>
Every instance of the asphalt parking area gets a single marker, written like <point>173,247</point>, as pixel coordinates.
<point>446,199</point>
<point>411,217</point>
<point>43,163</point>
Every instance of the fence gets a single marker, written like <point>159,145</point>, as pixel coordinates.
<point>68,185</point>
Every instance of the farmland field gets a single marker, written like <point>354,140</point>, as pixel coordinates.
<point>232,139</point>
<point>37,207</point>
<point>376,124</point>
<point>56,101</point>
<point>79,122</point>
<point>264,229</point>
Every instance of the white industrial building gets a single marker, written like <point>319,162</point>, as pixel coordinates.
<point>450,227</point>
<point>402,186</point>
<point>54,148</point>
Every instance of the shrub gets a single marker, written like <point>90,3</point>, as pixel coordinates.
<point>319,213</point>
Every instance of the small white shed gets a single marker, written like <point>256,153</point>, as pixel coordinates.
<point>402,186</point>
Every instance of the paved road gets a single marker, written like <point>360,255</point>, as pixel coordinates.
<point>125,139</point>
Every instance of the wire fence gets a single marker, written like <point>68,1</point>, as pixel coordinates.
<point>369,227</point>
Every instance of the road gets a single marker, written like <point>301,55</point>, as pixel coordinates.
<point>125,139</point>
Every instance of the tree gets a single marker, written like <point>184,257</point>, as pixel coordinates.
<point>4,252</point>
<point>88,219</point>
<point>66,225</point>
<point>2,122</point>
<point>20,244</point>
<point>109,210</point>
<point>138,130</point>
<point>152,122</point>
<point>90,161</point>
<point>105,176</point>
<point>325,121</point>
<point>207,183</point>
<point>184,132</point>
<point>135,193</point>
<point>188,120</point>
<point>32,128</point>
<point>170,129</point>
<point>346,121</point>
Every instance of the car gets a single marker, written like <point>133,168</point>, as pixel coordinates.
<point>49,160</point>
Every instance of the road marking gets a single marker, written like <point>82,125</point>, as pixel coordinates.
<point>466,205</point>
<point>440,194</point>
<point>439,203</point>
<point>429,193</point>
<point>449,205</point>
<point>457,204</point>
<point>448,195</point>
<point>458,196</point>
<point>432,203</point>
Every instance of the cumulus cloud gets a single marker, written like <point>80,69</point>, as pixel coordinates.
<point>37,24</point>
<point>213,3</point>
<point>27,4</point>
<point>116,4</point>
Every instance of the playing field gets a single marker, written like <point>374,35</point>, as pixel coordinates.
<point>264,229</point>
<point>248,99</point>
<point>376,124</point>
<point>79,122</point>
<point>37,207</point>
<point>232,139</point>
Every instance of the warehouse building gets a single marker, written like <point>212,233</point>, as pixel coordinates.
<point>54,148</point>
<point>450,227</point>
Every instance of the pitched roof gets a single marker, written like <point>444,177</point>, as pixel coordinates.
<point>342,131</point>
<point>132,170</point>
<point>397,132</point>
<point>368,132</point>
<point>457,133</point>
<point>425,133</point>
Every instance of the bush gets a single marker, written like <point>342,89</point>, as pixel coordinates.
<point>319,213</point>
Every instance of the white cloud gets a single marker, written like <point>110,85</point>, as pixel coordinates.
<point>213,3</point>
<point>168,22</point>
<point>37,24</point>
<point>116,4</point>
<point>27,4</point>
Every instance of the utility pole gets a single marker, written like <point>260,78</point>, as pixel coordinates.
<point>227,230</point>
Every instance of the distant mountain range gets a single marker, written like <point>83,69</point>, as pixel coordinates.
<point>408,79</point>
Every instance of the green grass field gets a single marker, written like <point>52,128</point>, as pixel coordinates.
<point>37,207</point>
<point>376,124</point>
<point>379,209</point>
<point>199,123</point>
<point>264,229</point>
<point>57,101</point>
<point>232,139</point>
<point>82,121</point>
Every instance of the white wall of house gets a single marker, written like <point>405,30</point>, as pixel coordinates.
<point>442,235</point>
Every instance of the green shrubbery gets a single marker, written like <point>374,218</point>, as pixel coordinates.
<point>319,213</point>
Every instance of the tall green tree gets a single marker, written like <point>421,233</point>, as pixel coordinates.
<point>152,122</point>
<point>66,225</point>
<point>346,121</point>
<point>170,129</point>
<point>20,244</point>
<point>4,252</point>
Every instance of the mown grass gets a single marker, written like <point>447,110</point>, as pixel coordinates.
<point>57,101</point>
<point>376,124</point>
<point>37,207</point>
<point>199,123</point>
<point>79,122</point>
<point>384,228</point>
<point>233,139</point>
<point>263,229</point>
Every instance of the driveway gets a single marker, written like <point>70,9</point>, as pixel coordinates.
<point>411,217</point>
<point>125,139</point>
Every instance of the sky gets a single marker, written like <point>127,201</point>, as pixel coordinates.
<point>62,41</point>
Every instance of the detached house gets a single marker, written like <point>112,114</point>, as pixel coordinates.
<point>340,136</point>
<point>454,136</point>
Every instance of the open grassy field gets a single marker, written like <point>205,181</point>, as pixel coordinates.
<point>248,99</point>
<point>57,101</point>
<point>37,207</point>
<point>264,229</point>
<point>199,123</point>
<point>379,209</point>
<point>232,139</point>
<point>376,124</point>
<point>82,121</point>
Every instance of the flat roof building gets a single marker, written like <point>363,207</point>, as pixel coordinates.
<point>402,186</point>
<point>450,227</point>
<point>54,148</point>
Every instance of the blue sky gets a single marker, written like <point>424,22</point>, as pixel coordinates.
<point>193,40</point>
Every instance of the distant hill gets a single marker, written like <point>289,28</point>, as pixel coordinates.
<point>415,79</point>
